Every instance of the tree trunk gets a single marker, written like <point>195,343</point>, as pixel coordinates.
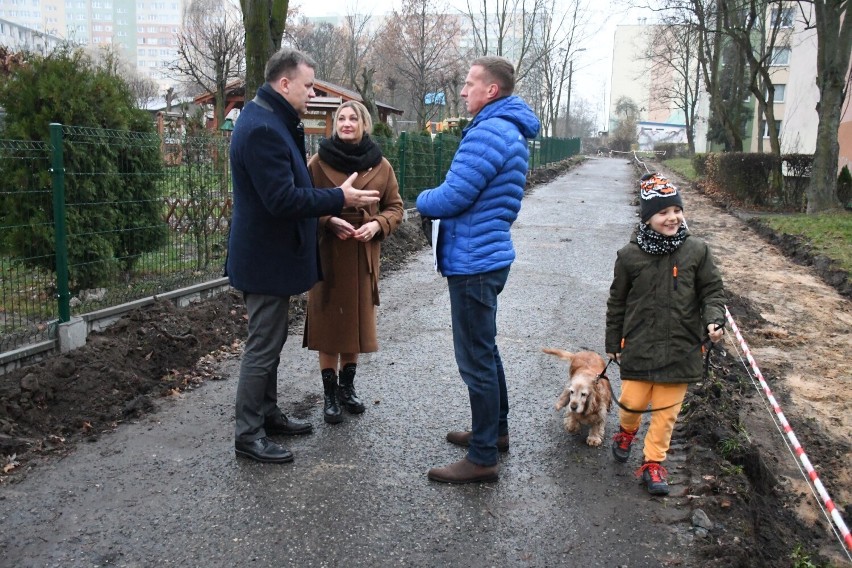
<point>834,42</point>
<point>264,21</point>
<point>368,96</point>
<point>822,189</point>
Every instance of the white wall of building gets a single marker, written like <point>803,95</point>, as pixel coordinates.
<point>799,126</point>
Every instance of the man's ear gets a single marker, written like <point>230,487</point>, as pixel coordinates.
<point>283,83</point>
<point>493,91</point>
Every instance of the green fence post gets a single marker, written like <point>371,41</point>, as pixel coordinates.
<point>439,157</point>
<point>532,154</point>
<point>401,154</point>
<point>58,174</point>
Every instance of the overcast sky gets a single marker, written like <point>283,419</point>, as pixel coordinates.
<point>592,67</point>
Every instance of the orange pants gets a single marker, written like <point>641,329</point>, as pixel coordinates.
<point>638,395</point>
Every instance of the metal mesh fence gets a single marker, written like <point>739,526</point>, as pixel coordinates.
<point>28,311</point>
<point>96,218</point>
<point>127,215</point>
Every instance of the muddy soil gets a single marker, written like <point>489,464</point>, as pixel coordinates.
<point>742,475</point>
<point>794,313</point>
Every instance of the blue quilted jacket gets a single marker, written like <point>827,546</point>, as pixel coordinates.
<point>481,196</point>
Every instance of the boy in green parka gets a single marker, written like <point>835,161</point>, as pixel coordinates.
<point>666,297</point>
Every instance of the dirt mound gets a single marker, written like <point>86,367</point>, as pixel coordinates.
<point>159,350</point>
<point>151,352</point>
<point>735,479</point>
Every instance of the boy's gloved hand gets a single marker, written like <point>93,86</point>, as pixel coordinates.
<point>715,331</point>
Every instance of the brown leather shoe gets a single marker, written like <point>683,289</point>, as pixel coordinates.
<point>464,471</point>
<point>463,439</point>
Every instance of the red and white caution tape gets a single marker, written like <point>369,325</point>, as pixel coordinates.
<point>796,447</point>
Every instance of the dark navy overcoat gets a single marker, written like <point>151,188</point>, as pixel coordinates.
<point>272,248</point>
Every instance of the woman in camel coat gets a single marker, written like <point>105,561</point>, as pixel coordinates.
<point>341,313</point>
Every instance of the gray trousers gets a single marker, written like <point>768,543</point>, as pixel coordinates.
<point>257,391</point>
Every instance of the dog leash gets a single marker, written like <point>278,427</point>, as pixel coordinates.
<point>602,375</point>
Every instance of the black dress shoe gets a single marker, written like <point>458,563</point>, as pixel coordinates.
<point>263,450</point>
<point>279,425</point>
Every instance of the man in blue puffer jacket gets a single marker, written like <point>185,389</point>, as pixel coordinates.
<point>476,206</point>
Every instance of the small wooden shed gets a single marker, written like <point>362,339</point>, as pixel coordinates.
<point>321,108</point>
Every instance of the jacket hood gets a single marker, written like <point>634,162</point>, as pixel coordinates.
<point>514,110</point>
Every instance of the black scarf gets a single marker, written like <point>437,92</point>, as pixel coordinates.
<point>653,242</point>
<point>349,158</point>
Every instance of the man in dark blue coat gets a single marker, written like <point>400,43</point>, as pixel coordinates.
<point>272,249</point>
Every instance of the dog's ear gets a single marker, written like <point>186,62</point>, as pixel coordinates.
<point>602,393</point>
<point>562,401</point>
<point>561,353</point>
<point>593,403</point>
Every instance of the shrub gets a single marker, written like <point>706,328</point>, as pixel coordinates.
<point>672,150</point>
<point>798,172</point>
<point>699,164</point>
<point>381,129</point>
<point>117,213</point>
<point>744,176</point>
<point>844,187</point>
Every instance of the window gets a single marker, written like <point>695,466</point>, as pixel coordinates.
<point>766,128</point>
<point>786,18</point>
<point>779,56</point>
<point>780,91</point>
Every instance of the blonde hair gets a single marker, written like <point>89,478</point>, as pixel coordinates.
<point>364,118</point>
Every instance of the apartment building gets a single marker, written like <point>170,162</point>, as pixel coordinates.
<point>659,119</point>
<point>793,76</point>
<point>25,38</point>
<point>145,30</point>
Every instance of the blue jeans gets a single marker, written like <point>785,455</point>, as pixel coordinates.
<point>473,306</point>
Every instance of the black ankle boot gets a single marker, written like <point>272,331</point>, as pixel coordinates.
<point>331,411</point>
<point>346,392</point>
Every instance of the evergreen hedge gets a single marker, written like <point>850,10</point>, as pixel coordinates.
<point>113,207</point>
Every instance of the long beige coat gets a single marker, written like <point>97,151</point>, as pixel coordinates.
<point>341,313</point>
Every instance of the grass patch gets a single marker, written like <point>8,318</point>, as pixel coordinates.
<point>830,234</point>
<point>682,167</point>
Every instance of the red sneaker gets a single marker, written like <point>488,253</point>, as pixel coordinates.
<point>621,444</point>
<point>654,475</point>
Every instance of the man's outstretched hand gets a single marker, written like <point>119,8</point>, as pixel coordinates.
<point>357,197</point>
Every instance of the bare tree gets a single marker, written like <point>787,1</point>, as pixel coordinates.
<point>721,64</point>
<point>211,49</point>
<point>506,28</point>
<point>556,39</point>
<point>358,42</point>
<point>419,43</point>
<point>583,119</point>
<point>625,133</point>
<point>674,54</point>
<point>759,34</point>
<point>110,58</point>
<point>322,41</point>
<point>357,61</point>
<point>832,20</point>
<point>453,83</point>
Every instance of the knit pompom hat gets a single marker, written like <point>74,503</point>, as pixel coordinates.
<point>655,194</point>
